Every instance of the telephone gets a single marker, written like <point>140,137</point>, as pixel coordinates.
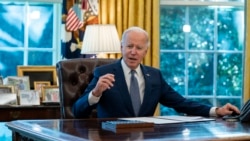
<point>244,114</point>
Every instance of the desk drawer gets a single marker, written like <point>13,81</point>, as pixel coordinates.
<point>29,112</point>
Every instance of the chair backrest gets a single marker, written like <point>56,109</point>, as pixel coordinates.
<point>74,76</point>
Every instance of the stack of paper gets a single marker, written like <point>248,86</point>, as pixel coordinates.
<point>169,119</point>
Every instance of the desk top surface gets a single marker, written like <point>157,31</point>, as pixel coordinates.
<point>90,129</point>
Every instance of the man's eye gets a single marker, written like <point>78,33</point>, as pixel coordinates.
<point>139,48</point>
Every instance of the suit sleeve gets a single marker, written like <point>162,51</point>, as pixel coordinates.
<point>172,99</point>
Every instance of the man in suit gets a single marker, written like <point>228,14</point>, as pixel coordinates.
<point>109,91</point>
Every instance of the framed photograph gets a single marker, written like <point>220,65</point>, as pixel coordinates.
<point>38,73</point>
<point>39,84</point>
<point>19,83</point>
<point>50,94</point>
<point>8,99</point>
<point>6,89</point>
<point>29,97</point>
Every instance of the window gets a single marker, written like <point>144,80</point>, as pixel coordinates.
<point>29,34</point>
<point>204,42</point>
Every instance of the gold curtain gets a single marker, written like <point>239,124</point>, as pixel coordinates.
<point>247,54</point>
<point>126,13</point>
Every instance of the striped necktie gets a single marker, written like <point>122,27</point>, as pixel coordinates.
<point>135,93</point>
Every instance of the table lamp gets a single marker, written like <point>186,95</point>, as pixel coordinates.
<point>101,38</point>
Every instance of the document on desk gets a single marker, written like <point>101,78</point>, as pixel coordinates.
<point>169,119</point>
<point>185,118</point>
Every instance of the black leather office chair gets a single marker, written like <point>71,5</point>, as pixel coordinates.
<point>74,76</point>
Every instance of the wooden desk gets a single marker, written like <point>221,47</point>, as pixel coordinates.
<point>90,129</point>
<point>9,113</point>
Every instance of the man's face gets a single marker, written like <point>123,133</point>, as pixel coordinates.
<point>134,49</point>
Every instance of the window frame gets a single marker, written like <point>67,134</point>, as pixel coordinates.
<point>55,48</point>
<point>245,92</point>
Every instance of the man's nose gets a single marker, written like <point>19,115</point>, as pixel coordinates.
<point>133,50</point>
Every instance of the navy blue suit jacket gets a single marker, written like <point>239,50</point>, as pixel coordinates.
<point>116,102</point>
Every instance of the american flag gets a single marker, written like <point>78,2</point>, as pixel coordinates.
<point>73,22</point>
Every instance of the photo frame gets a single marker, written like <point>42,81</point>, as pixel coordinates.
<point>19,82</point>
<point>6,89</point>
<point>29,97</point>
<point>39,84</point>
<point>50,94</point>
<point>38,73</point>
<point>8,99</point>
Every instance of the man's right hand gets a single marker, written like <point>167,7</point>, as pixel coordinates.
<point>105,82</point>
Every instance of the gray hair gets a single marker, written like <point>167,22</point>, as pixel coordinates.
<point>136,29</point>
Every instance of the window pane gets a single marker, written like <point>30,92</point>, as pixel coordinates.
<point>168,111</point>
<point>172,20</point>
<point>12,29</point>
<point>230,28</point>
<point>208,101</point>
<point>229,80</point>
<point>40,58</point>
<point>234,101</point>
<point>175,76</point>
<point>7,65</point>
<point>201,21</point>
<point>40,26</point>
<point>200,74</point>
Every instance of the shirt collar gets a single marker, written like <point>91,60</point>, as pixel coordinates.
<point>126,69</point>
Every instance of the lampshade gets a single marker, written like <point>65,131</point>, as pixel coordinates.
<point>100,38</point>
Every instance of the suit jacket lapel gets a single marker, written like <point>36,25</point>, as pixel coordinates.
<point>122,86</point>
<point>147,90</point>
